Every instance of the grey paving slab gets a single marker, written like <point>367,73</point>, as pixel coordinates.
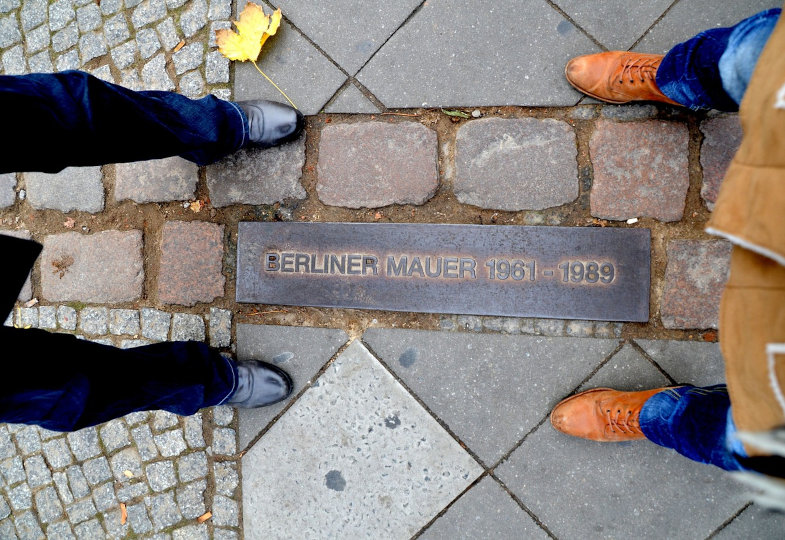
<point>258,176</point>
<point>300,351</point>
<point>362,457</point>
<point>351,100</point>
<point>470,53</point>
<point>157,180</point>
<point>491,389</point>
<point>688,17</point>
<point>580,488</point>
<point>356,29</point>
<point>754,522</point>
<point>27,289</point>
<point>688,362</point>
<point>612,22</point>
<point>297,67</point>
<point>485,511</point>
<point>7,189</point>
<point>74,188</point>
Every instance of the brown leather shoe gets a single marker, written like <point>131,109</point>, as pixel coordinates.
<point>617,76</point>
<point>602,414</point>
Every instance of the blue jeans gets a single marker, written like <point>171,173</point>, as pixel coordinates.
<point>712,69</point>
<point>696,422</point>
<point>52,121</point>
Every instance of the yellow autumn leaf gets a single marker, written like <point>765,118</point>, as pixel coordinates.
<point>253,29</point>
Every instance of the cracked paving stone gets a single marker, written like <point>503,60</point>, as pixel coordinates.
<point>155,76</point>
<point>37,472</point>
<point>61,483</point>
<point>84,443</point>
<point>192,466</point>
<point>170,443</point>
<point>57,453</point>
<point>163,510</point>
<point>144,442</point>
<point>161,475</point>
<point>114,435</point>
<point>190,499</point>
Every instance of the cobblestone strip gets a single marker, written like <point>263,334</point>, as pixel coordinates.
<point>132,45</point>
<point>167,470</point>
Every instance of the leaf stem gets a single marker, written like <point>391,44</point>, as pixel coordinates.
<point>271,82</point>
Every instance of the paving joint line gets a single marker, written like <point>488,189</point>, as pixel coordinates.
<point>572,21</point>
<point>640,350</point>
<point>449,505</point>
<point>729,521</point>
<point>652,25</point>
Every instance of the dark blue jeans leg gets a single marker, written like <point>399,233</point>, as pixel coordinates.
<point>51,121</point>
<point>691,73</point>
<point>62,383</point>
<point>694,422</point>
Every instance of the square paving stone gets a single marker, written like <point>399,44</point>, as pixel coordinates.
<point>374,164</point>
<point>640,170</point>
<point>258,176</point>
<point>700,364</point>
<point>515,50</point>
<point>353,37</point>
<point>491,389</point>
<point>299,351</point>
<point>307,76</point>
<point>157,180</point>
<point>695,277</point>
<point>27,289</point>
<point>191,263</point>
<point>689,17</point>
<point>579,488</point>
<point>722,137</point>
<point>104,267</point>
<point>74,188</point>
<point>485,511</point>
<point>363,459</point>
<point>516,164</point>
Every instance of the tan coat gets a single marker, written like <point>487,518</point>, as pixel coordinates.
<point>750,212</point>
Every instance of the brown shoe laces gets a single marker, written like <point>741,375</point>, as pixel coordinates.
<point>628,424</point>
<point>646,69</point>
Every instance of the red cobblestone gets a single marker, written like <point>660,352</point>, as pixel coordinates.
<point>191,263</point>
<point>694,279</point>
<point>640,170</point>
<point>374,164</point>
<point>722,137</point>
<point>104,267</point>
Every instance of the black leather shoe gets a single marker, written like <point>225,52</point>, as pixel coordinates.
<point>260,384</point>
<point>271,123</point>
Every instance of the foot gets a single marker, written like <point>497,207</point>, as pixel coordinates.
<point>260,384</point>
<point>271,123</point>
<point>617,76</point>
<point>602,415</point>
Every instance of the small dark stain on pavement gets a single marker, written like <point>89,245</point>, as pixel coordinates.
<point>283,357</point>
<point>408,358</point>
<point>564,27</point>
<point>392,421</point>
<point>335,481</point>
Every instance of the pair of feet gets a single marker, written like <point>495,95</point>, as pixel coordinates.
<point>603,414</point>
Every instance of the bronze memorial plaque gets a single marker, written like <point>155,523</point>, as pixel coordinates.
<point>557,272</point>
